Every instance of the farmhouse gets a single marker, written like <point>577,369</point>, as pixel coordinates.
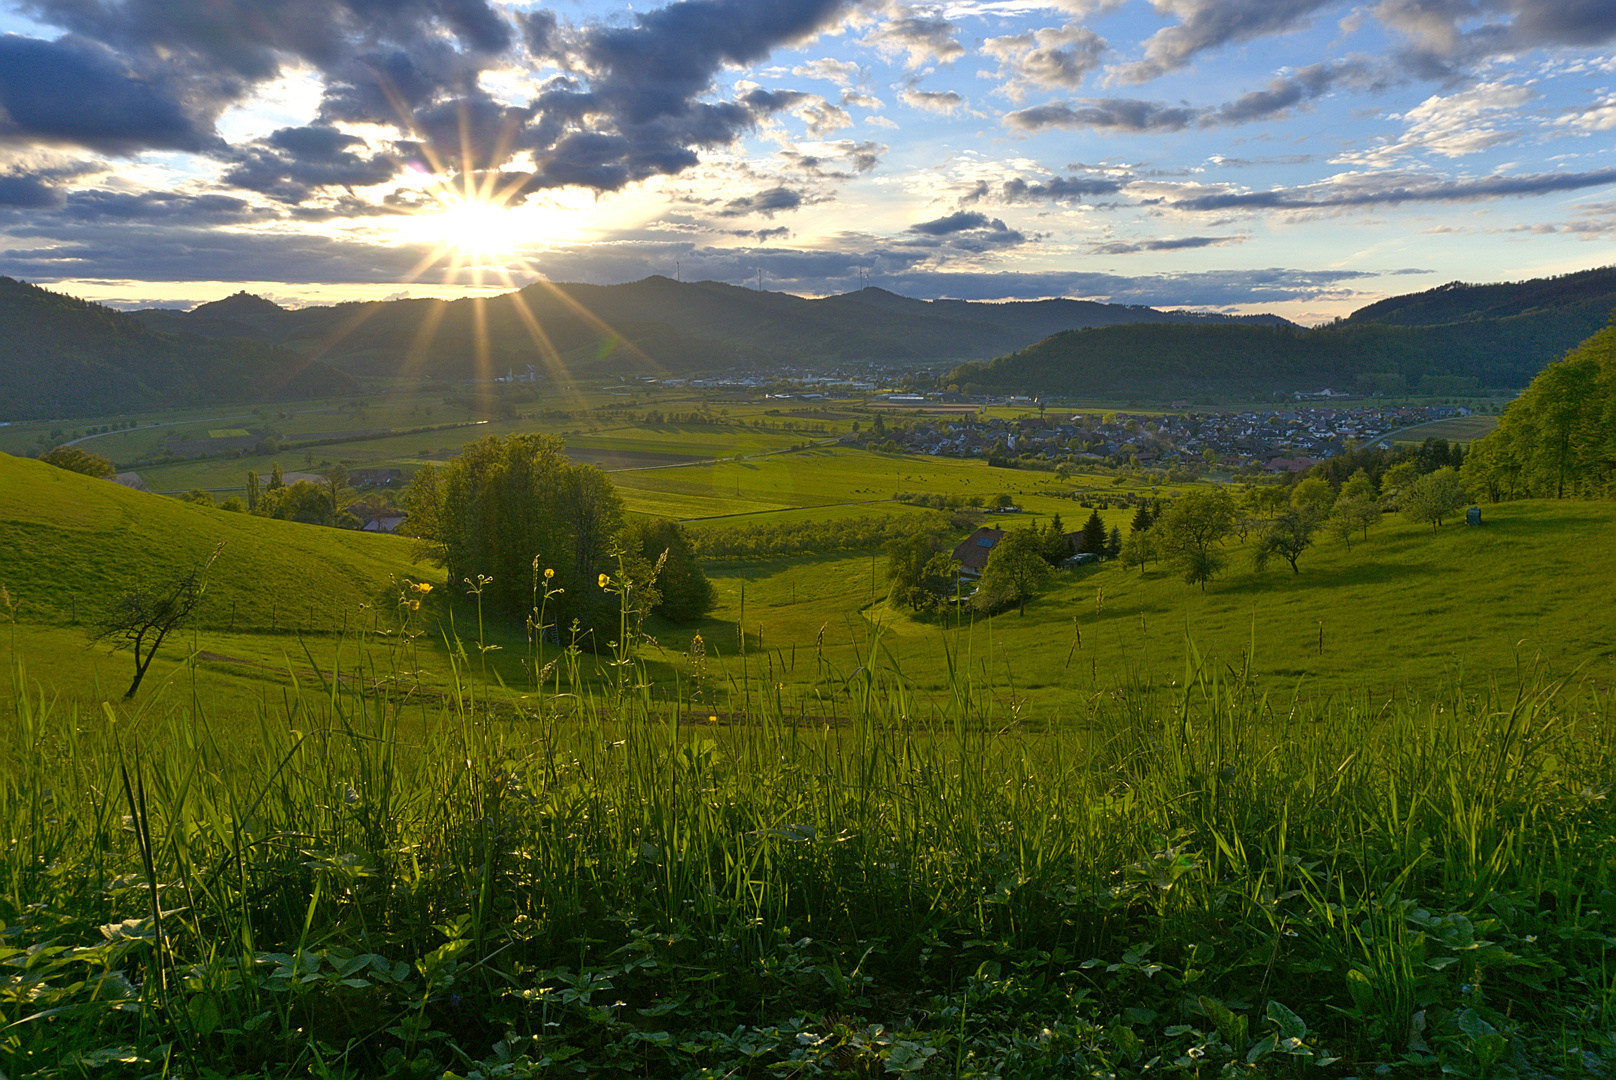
<point>972,552</point>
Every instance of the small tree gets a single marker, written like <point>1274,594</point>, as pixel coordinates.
<point>1287,536</point>
<point>1094,535</point>
<point>1113,544</point>
<point>1057,548</point>
<point>1137,549</point>
<point>1354,512</point>
<point>142,618</point>
<point>1141,518</point>
<point>252,489</point>
<point>1433,496</point>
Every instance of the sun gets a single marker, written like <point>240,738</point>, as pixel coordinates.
<point>479,229</point>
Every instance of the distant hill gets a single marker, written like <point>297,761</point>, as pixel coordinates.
<point>63,357</point>
<point>1453,339</point>
<point>655,324</point>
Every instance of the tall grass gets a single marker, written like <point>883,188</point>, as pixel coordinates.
<point>364,878</point>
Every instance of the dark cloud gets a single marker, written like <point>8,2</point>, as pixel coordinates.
<point>1043,59</point>
<point>1058,188</point>
<point>293,162</point>
<point>641,113</point>
<point>151,207</point>
<point>953,223</point>
<point>1181,244</point>
<point>968,230</point>
<point>1283,93</point>
<point>29,192</point>
<point>1445,35</point>
<point>1105,114</point>
<point>71,91</point>
<point>768,203</point>
<point>1209,24</point>
<point>1371,190</point>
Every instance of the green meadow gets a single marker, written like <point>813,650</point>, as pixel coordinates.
<point>1346,822</point>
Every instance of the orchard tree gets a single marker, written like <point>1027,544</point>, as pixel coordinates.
<point>1191,530</point>
<point>1433,496</point>
<point>1287,536</point>
<point>1354,512</point>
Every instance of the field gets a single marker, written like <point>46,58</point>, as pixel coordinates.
<point>1463,429</point>
<point>1345,822</point>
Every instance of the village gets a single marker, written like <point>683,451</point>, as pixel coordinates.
<point>1255,440</point>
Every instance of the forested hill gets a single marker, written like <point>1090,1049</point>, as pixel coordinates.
<point>655,324</point>
<point>1587,294</point>
<point>63,357</point>
<point>1390,347</point>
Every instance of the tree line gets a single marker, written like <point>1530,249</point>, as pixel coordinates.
<point>1558,439</point>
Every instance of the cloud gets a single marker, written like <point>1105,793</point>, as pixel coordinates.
<point>937,101</point>
<point>1045,59</point>
<point>922,38</point>
<point>1445,33</point>
<point>840,72</point>
<point>1106,114</point>
<point>1453,126</point>
<point>1136,115</point>
<point>862,100</point>
<point>1372,189</point>
<point>1181,244</point>
<point>643,110</point>
<point>1210,24</point>
<point>1287,91</point>
<point>79,92</point>
<point>860,157</point>
<point>822,117</point>
<point>968,230</point>
<point>767,203</point>
<point>1059,188</point>
<point>293,162</point>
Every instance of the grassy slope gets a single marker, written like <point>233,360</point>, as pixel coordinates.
<point>1404,611</point>
<point>72,544</point>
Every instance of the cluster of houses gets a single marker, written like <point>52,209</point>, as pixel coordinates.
<point>1274,440</point>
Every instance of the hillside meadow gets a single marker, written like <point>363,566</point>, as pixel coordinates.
<point>853,842</point>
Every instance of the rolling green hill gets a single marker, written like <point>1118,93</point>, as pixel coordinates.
<point>1449,340</point>
<point>63,357</point>
<point>70,545</point>
<point>649,325</point>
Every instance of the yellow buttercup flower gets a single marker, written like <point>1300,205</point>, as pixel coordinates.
<point>548,574</point>
<point>604,581</point>
<point>415,605</point>
<point>421,587</point>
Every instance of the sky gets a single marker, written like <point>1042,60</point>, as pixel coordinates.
<point>1300,157</point>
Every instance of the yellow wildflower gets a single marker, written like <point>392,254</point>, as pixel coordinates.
<point>415,605</point>
<point>421,587</point>
<point>548,574</point>
<point>604,581</point>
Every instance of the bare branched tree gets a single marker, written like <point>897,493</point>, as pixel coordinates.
<point>142,618</point>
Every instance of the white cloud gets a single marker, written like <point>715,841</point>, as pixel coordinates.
<point>1459,124</point>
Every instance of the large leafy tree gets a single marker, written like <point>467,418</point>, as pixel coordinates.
<point>504,503</point>
<point>1558,438</point>
<point>1433,496</point>
<point>1191,530</point>
<point>1014,571</point>
<point>916,579</point>
<point>73,459</point>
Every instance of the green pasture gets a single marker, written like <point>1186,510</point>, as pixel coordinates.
<point>1407,610</point>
